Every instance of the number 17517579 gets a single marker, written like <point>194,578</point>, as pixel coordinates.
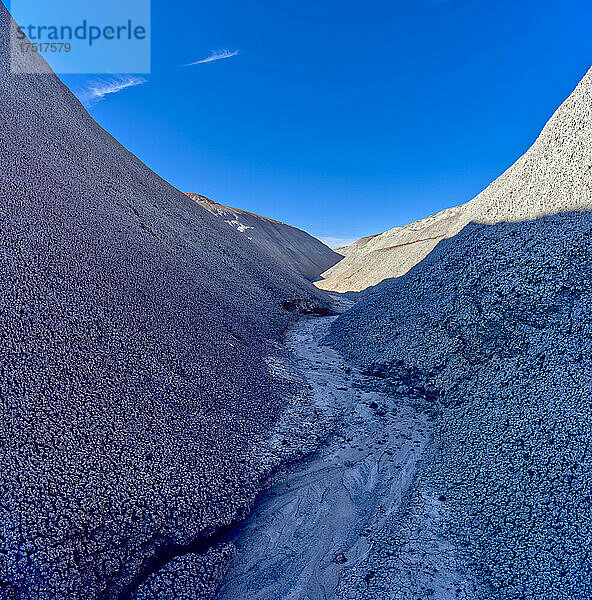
<point>45,47</point>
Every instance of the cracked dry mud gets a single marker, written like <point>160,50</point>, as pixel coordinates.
<point>320,523</point>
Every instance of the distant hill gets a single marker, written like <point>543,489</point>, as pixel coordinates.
<point>372,259</point>
<point>551,177</point>
<point>293,247</point>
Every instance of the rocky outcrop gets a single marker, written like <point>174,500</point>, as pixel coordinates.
<point>136,329</point>
<point>552,177</point>
<point>293,247</point>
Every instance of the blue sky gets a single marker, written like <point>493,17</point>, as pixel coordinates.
<point>345,118</point>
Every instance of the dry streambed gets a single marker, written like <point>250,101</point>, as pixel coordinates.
<point>318,525</point>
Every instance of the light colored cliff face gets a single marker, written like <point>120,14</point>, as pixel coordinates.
<point>553,176</point>
<point>293,247</point>
<point>390,254</point>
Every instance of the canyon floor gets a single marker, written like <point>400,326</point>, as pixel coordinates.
<point>317,533</point>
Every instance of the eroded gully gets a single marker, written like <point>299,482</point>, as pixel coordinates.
<point>316,523</point>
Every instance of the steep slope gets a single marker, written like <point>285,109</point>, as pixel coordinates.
<point>492,333</point>
<point>551,177</point>
<point>136,331</point>
<point>290,246</point>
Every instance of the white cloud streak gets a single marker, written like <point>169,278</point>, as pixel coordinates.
<point>95,90</point>
<point>214,55</point>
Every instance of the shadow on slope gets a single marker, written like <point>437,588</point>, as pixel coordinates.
<point>495,326</point>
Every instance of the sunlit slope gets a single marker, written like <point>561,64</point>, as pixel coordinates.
<point>289,245</point>
<point>552,176</point>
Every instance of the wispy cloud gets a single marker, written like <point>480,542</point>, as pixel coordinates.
<point>214,55</point>
<point>337,242</point>
<point>95,90</point>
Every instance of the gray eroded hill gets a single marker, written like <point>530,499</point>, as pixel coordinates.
<point>136,329</point>
<point>552,176</point>
<point>292,247</point>
<point>493,331</point>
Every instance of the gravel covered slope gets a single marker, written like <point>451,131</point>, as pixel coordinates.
<point>553,176</point>
<point>494,329</point>
<point>292,247</point>
<point>134,392</point>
